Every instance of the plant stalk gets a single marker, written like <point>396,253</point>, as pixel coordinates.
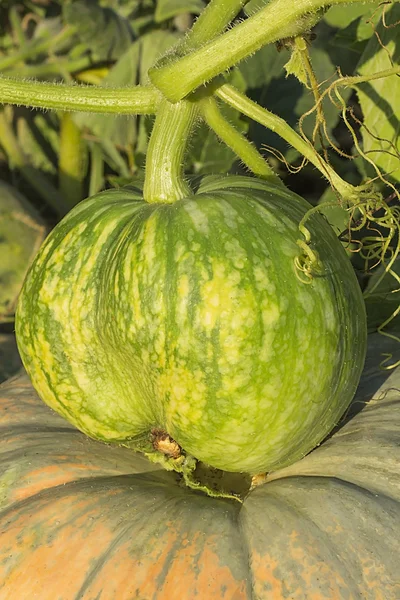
<point>37,94</point>
<point>236,141</point>
<point>179,76</point>
<point>211,22</point>
<point>164,180</point>
<point>72,160</point>
<point>240,102</point>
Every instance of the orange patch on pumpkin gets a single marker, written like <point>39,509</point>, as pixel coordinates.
<point>49,477</point>
<point>45,557</point>
<point>170,568</point>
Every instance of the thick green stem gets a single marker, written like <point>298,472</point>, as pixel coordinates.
<point>134,100</point>
<point>178,77</point>
<point>263,116</point>
<point>72,160</point>
<point>212,21</point>
<point>164,180</point>
<point>34,177</point>
<point>236,141</point>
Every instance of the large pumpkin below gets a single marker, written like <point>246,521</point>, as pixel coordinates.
<point>82,520</point>
<point>191,319</point>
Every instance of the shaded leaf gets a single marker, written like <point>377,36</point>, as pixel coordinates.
<point>118,129</point>
<point>336,215</point>
<point>384,300</point>
<point>39,140</point>
<point>266,64</point>
<point>105,32</point>
<point>166,9</point>
<point>207,154</point>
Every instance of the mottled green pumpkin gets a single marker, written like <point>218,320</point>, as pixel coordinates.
<point>83,520</point>
<point>192,319</point>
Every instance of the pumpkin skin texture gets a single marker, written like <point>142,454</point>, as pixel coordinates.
<point>80,519</point>
<point>189,318</point>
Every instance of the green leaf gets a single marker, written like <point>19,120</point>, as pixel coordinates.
<point>106,34</point>
<point>340,17</point>
<point>289,99</point>
<point>39,140</point>
<point>263,66</point>
<point>384,299</point>
<point>118,129</point>
<point>379,99</point>
<point>152,46</point>
<point>336,215</point>
<point>295,66</point>
<point>166,9</point>
<point>207,154</point>
<point>21,233</point>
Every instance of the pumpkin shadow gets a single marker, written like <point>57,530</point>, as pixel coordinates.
<point>382,352</point>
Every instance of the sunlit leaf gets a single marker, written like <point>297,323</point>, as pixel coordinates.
<point>379,99</point>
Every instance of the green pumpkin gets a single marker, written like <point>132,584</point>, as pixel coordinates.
<point>83,520</point>
<point>190,320</point>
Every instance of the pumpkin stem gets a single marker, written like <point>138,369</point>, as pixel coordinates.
<point>164,180</point>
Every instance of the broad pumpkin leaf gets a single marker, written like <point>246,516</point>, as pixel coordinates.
<point>379,99</point>
<point>166,9</point>
<point>106,34</point>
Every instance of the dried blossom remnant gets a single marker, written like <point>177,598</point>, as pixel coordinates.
<point>164,443</point>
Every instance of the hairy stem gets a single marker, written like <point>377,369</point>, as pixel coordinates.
<point>164,180</point>
<point>236,141</point>
<point>302,48</point>
<point>239,101</point>
<point>212,21</point>
<point>133,100</point>
<point>178,77</point>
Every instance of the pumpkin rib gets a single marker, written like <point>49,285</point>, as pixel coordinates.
<point>95,568</point>
<point>65,487</point>
<point>352,554</point>
<point>29,428</point>
<point>319,534</point>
